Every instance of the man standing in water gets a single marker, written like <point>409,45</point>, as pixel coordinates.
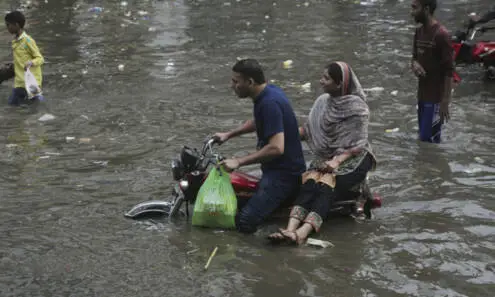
<point>432,63</point>
<point>279,145</point>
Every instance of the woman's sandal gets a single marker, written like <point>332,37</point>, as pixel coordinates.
<point>280,237</point>
<point>295,240</point>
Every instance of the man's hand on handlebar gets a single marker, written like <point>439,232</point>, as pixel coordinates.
<point>221,137</point>
<point>230,164</point>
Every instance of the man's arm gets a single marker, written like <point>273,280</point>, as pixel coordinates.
<point>273,149</point>
<point>302,133</point>
<point>444,44</point>
<point>416,68</point>
<point>273,130</point>
<point>247,127</point>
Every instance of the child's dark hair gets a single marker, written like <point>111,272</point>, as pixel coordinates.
<point>15,17</point>
<point>335,72</point>
<point>250,68</point>
<point>432,5</point>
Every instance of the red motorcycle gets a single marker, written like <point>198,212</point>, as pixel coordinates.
<point>468,52</point>
<point>190,171</point>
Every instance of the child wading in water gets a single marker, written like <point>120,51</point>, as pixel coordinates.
<point>26,56</point>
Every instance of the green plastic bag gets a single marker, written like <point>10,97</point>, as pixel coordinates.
<point>216,204</point>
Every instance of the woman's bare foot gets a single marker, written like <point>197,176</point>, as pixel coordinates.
<point>294,236</point>
<point>278,236</point>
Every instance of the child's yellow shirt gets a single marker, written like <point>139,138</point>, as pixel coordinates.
<point>24,49</point>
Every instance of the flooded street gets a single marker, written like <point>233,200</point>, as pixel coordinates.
<point>66,183</point>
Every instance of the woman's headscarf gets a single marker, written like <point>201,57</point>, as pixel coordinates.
<point>339,124</point>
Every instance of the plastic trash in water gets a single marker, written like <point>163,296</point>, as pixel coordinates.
<point>479,160</point>
<point>121,67</point>
<point>84,140</point>
<point>46,117</point>
<point>319,243</point>
<point>287,64</point>
<point>306,87</point>
<point>69,138</point>
<point>123,3</point>
<point>151,29</point>
<point>394,93</point>
<point>267,17</point>
<point>392,130</point>
<point>96,9</point>
<point>374,89</point>
<point>142,13</point>
<point>306,4</point>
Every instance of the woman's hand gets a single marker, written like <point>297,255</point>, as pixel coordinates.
<point>332,165</point>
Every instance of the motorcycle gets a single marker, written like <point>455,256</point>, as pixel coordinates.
<point>190,170</point>
<point>468,52</point>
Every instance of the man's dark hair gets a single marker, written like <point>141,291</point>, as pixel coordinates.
<point>250,68</point>
<point>432,5</point>
<point>15,17</point>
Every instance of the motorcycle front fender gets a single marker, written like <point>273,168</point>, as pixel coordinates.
<point>152,207</point>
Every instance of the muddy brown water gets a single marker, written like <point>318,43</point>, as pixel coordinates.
<point>62,229</point>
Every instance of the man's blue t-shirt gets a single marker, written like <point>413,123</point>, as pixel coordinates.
<point>273,114</point>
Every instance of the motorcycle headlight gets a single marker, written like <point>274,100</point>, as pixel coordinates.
<point>189,158</point>
<point>184,184</point>
<point>177,169</point>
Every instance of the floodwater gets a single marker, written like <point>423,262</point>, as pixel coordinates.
<point>62,229</point>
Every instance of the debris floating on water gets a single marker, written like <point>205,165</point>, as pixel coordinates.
<point>374,90</point>
<point>392,130</point>
<point>211,257</point>
<point>96,9</point>
<point>479,160</point>
<point>306,87</point>
<point>320,243</point>
<point>394,93</point>
<point>121,67</point>
<point>46,117</point>
<point>69,138</point>
<point>84,140</point>
<point>192,251</point>
<point>287,64</point>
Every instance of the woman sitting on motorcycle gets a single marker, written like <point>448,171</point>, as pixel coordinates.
<point>337,133</point>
